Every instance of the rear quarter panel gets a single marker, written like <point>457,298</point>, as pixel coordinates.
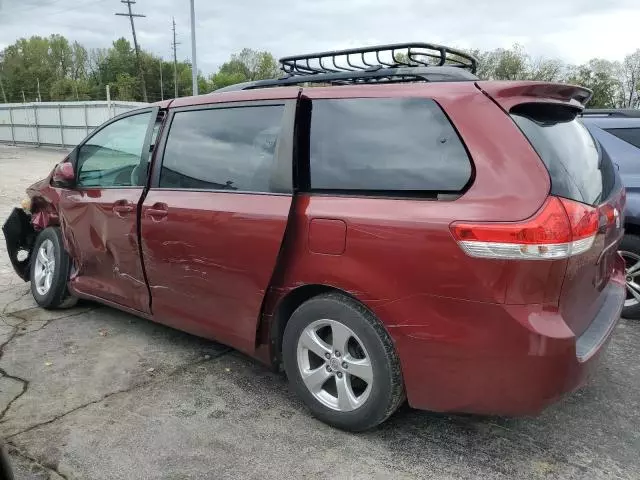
<point>400,258</point>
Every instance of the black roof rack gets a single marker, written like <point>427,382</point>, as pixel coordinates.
<point>390,56</point>
<point>612,112</point>
<point>397,63</point>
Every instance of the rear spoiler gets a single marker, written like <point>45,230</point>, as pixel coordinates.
<point>508,94</point>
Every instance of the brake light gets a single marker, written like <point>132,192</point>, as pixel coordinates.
<point>560,229</point>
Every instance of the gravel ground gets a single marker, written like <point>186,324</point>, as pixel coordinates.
<point>93,393</point>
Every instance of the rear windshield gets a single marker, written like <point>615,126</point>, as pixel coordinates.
<point>578,168</point>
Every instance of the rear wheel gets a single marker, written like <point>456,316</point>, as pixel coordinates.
<point>342,363</point>
<point>630,251</point>
<point>50,266</point>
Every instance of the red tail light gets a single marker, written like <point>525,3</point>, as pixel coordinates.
<point>560,229</point>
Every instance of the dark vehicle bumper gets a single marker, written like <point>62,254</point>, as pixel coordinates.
<point>506,360</point>
<point>19,235</point>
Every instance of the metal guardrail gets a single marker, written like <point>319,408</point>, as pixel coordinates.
<point>62,124</point>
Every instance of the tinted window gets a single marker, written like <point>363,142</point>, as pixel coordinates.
<point>222,149</point>
<point>385,144</point>
<point>577,169</point>
<point>111,157</point>
<point>629,135</point>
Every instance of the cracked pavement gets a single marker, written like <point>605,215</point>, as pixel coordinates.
<point>94,393</point>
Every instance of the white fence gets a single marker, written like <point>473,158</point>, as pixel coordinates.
<point>62,124</point>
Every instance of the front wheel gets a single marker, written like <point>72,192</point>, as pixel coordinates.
<point>342,363</point>
<point>50,266</point>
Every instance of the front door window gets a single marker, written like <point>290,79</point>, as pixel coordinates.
<point>111,157</point>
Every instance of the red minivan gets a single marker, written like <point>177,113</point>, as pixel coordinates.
<point>383,226</point>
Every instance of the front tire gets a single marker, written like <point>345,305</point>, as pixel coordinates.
<point>50,267</point>
<point>341,361</point>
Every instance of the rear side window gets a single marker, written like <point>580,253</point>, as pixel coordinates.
<point>385,144</point>
<point>222,149</point>
<point>577,168</point>
<point>629,135</point>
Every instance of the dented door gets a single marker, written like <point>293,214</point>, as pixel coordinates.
<point>99,216</point>
<point>214,219</point>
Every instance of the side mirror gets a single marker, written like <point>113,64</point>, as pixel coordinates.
<point>63,175</point>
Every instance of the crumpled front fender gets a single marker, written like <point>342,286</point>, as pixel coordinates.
<point>19,235</point>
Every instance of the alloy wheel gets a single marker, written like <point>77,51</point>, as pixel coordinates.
<point>632,277</point>
<point>44,267</point>
<point>334,365</point>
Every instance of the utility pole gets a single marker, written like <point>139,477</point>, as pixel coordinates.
<point>39,97</point>
<point>4,95</point>
<point>161,86</point>
<point>175,61</point>
<point>135,44</point>
<point>194,66</point>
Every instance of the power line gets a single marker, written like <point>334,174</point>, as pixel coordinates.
<point>175,60</point>
<point>135,44</point>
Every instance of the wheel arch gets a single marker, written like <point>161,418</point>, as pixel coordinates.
<point>287,304</point>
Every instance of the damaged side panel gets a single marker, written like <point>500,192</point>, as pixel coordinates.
<point>103,241</point>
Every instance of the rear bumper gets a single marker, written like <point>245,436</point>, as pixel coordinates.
<point>501,360</point>
<point>19,235</point>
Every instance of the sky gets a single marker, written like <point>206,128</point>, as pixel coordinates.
<point>572,30</point>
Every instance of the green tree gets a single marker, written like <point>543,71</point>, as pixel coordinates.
<point>629,75</point>
<point>60,56</point>
<point>503,64</point>
<point>516,64</point>
<point>23,64</point>
<point>246,66</point>
<point>67,89</point>
<point>125,86</point>
<point>80,61</point>
<point>599,76</point>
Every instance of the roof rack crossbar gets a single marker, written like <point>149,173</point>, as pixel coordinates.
<point>311,70</point>
<point>359,59</point>
<point>380,62</point>
<point>341,68</point>
<point>351,64</point>
<point>364,60</point>
<point>323,68</point>
<point>414,59</point>
<point>396,62</point>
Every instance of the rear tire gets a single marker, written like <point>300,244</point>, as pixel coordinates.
<point>329,338</point>
<point>50,267</point>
